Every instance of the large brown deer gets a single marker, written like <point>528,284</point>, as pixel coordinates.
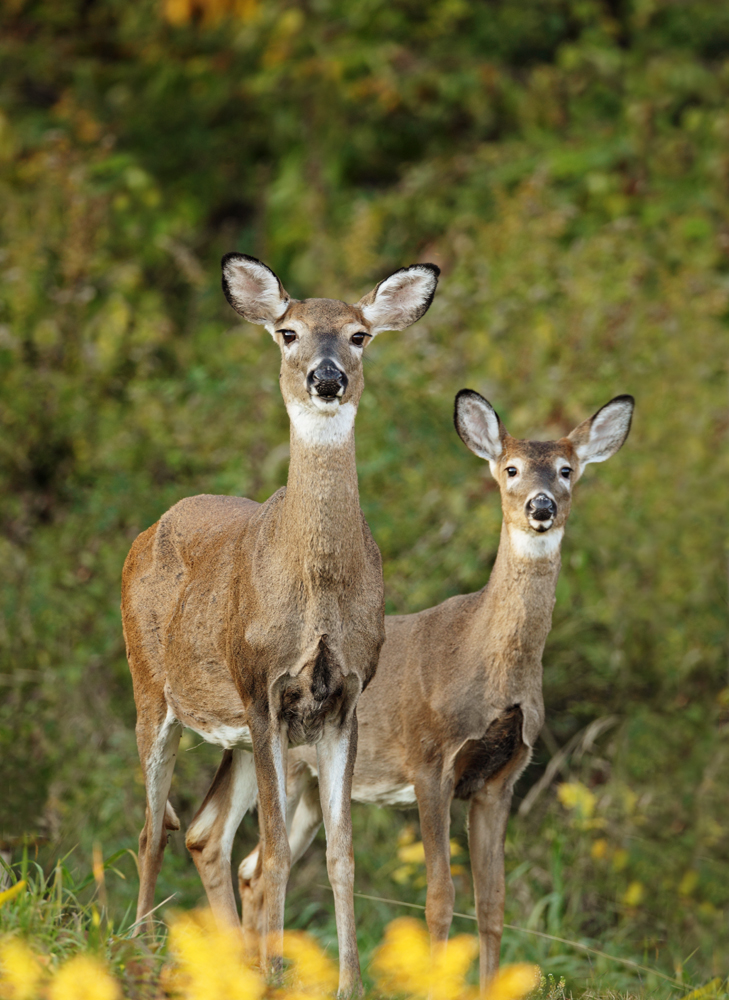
<point>259,624</point>
<point>456,704</point>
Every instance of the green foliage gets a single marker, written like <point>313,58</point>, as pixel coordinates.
<point>565,163</point>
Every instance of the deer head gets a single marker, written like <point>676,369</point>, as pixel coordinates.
<point>322,341</point>
<point>536,477</point>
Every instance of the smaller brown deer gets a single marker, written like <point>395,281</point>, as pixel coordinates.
<point>456,704</point>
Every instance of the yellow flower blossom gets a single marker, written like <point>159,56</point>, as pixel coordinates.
<point>633,894</point>
<point>83,978</point>
<point>577,798</point>
<point>514,982</point>
<point>12,892</point>
<point>211,960</point>
<point>403,963</point>
<point>689,882</point>
<point>20,970</point>
<point>313,973</point>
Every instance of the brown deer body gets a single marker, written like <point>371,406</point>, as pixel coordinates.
<point>260,624</point>
<point>456,704</point>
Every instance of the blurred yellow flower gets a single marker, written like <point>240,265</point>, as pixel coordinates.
<point>688,883</point>
<point>20,970</point>
<point>211,960</point>
<point>412,854</point>
<point>403,963</point>
<point>620,859</point>
<point>577,798</point>
<point>83,978</point>
<point>599,849</point>
<point>514,981</point>
<point>633,894</point>
<point>313,973</point>
<point>10,893</point>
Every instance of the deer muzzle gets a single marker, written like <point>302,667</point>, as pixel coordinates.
<point>541,508</point>
<point>327,380</point>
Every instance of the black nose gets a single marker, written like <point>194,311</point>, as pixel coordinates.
<point>541,507</point>
<point>328,380</point>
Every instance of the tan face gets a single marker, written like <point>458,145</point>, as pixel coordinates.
<point>536,477</point>
<point>322,341</point>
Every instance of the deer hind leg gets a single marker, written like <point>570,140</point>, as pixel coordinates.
<point>304,818</point>
<point>487,818</point>
<point>210,835</point>
<point>335,755</point>
<point>434,805</point>
<point>157,753</point>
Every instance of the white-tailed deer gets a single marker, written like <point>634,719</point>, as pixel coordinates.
<point>456,704</point>
<point>259,624</point>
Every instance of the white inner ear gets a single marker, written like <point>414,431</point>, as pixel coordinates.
<point>400,300</point>
<point>256,292</point>
<point>478,426</point>
<point>607,433</point>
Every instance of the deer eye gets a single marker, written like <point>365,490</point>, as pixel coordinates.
<point>511,471</point>
<point>358,338</point>
<point>288,336</point>
<point>565,472</point>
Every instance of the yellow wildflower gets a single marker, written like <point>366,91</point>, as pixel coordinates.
<point>514,982</point>
<point>313,972</point>
<point>689,882</point>
<point>211,960</point>
<point>83,978</point>
<point>599,849</point>
<point>577,798</point>
<point>633,894</point>
<point>20,970</point>
<point>403,963</point>
<point>13,891</point>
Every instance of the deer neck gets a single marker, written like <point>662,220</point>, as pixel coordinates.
<point>320,524</point>
<point>515,613</point>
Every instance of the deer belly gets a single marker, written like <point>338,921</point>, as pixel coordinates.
<point>221,722</point>
<point>225,736</point>
<point>383,794</point>
<point>480,760</point>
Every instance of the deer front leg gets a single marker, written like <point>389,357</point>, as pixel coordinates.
<point>270,744</point>
<point>487,819</point>
<point>434,806</point>
<point>336,753</point>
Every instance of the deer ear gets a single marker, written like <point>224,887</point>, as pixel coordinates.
<point>253,290</point>
<point>597,439</point>
<point>478,425</point>
<point>400,299</point>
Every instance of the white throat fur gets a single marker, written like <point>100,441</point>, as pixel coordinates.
<point>323,427</point>
<point>531,545</point>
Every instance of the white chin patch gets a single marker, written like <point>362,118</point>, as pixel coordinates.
<point>541,526</point>
<point>321,423</point>
<point>534,545</point>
